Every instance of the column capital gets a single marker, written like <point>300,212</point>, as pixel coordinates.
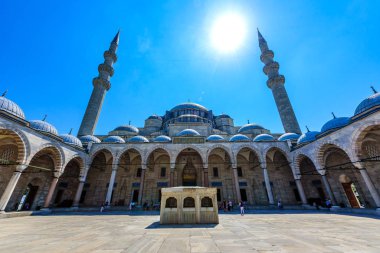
<point>20,168</point>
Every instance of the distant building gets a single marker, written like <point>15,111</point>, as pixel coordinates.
<point>189,145</point>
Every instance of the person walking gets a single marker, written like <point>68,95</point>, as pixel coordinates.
<point>102,208</point>
<point>229,205</point>
<point>241,205</point>
<point>279,204</point>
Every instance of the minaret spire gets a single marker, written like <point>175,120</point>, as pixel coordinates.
<point>101,85</point>
<point>276,84</point>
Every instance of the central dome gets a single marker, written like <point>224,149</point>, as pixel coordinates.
<point>189,105</point>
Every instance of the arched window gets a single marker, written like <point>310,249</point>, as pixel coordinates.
<point>188,202</point>
<point>206,202</point>
<point>171,203</point>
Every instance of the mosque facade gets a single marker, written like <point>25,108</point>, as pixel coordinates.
<point>189,145</point>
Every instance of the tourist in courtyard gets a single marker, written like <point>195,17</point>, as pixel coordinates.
<point>279,204</point>
<point>241,205</point>
<point>229,205</point>
<point>102,208</point>
<point>328,203</point>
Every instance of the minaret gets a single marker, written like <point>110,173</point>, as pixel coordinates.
<point>101,86</point>
<point>276,84</point>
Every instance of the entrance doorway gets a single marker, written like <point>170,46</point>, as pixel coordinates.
<point>189,175</point>
<point>135,196</point>
<point>28,198</point>
<point>352,194</point>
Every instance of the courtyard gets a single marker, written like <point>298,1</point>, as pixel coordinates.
<point>260,231</point>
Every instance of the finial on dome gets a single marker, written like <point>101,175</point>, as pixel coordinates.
<point>307,129</point>
<point>129,122</point>
<point>248,121</point>
<point>5,93</point>
<point>44,117</point>
<point>373,89</point>
<point>71,129</point>
<point>333,115</point>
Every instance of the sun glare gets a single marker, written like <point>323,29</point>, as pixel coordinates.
<point>228,32</point>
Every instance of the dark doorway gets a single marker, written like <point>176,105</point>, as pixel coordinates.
<point>243,194</point>
<point>31,195</point>
<point>189,175</point>
<point>351,195</point>
<point>58,197</point>
<point>135,196</point>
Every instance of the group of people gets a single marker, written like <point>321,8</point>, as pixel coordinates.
<point>228,206</point>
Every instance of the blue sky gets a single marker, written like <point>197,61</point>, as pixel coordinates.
<point>328,51</point>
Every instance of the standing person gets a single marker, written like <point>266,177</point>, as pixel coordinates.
<point>229,205</point>
<point>328,203</point>
<point>102,208</point>
<point>241,204</point>
<point>279,204</point>
<point>225,205</point>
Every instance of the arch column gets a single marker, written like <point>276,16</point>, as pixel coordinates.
<point>171,176</point>
<point>52,187</point>
<point>268,186</point>
<point>328,189</point>
<point>301,191</point>
<point>236,181</point>
<point>10,187</point>
<point>78,193</point>
<point>141,186</point>
<point>371,187</point>
<point>205,177</point>
<point>111,184</point>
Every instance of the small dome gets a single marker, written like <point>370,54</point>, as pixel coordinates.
<point>308,137</point>
<point>188,106</point>
<point>188,132</point>
<point>162,138</point>
<point>335,123</point>
<point>239,137</point>
<point>71,139</point>
<point>138,138</point>
<point>85,139</point>
<point>155,117</point>
<point>115,139</point>
<point>215,137</point>
<point>43,126</point>
<point>251,126</point>
<point>368,103</point>
<point>11,107</point>
<point>127,128</point>
<point>223,116</point>
<point>264,137</point>
<point>288,136</point>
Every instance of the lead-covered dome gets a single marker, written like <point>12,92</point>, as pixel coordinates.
<point>43,126</point>
<point>162,138</point>
<point>11,107</point>
<point>85,139</point>
<point>289,136</point>
<point>335,123</point>
<point>239,137</point>
<point>189,106</point>
<point>214,138</point>
<point>71,139</point>
<point>154,116</point>
<point>223,116</point>
<point>138,138</point>
<point>114,139</point>
<point>264,137</point>
<point>251,126</point>
<point>127,128</point>
<point>308,137</point>
<point>368,103</point>
<point>188,132</point>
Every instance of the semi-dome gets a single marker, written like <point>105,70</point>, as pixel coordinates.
<point>368,103</point>
<point>250,126</point>
<point>71,139</point>
<point>43,126</point>
<point>215,137</point>
<point>288,136</point>
<point>307,137</point>
<point>264,137</point>
<point>188,106</point>
<point>188,132</point>
<point>162,138</point>
<point>155,117</point>
<point>88,138</point>
<point>335,123</point>
<point>115,139</point>
<point>127,128</point>
<point>138,138</point>
<point>11,107</point>
<point>239,137</point>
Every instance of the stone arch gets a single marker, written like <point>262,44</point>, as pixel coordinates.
<point>21,141</point>
<point>282,176</point>
<point>100,148</point>
<point>256,151</point>
<point>79,159</point>
<point>223,147</point>
<point>198,150</point>
<point>358,136</point>
<point>189,167</point>
<point>321,149</point>
<point>155,148</point>
<point>56,152</point>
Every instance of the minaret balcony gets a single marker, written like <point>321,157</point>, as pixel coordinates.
<point>276,80</point>
<point>109,54</point>
<point>271,68</point>
<point>267,56</point>
<point>106,68</point>
<point>97,81</point>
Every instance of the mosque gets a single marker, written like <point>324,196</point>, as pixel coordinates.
<point>189,145</point>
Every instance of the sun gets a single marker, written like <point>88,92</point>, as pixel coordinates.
<point>228,32</point>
